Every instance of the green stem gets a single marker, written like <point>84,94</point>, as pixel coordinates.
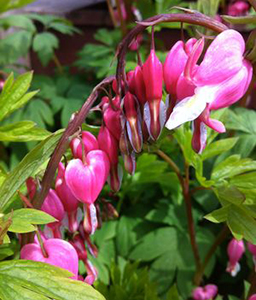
<point>57,63</point>
<point>41,243</point>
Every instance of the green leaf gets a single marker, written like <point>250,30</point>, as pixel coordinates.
<point>24,218</point>
<point>240,20</point>
<point>241,224</point>
<point>230,194</point>
<point>21,21</point>
<point>14,94</point>
<point>243,121</point>
<point>26,280</point>
<point>126,236</point>
<point>30,164</point>
<point>40,112</point>
<point>154,244</point>
<point>231,167</point>
<point>219,215</point>
<point>44,44</point>
<point>218,147</point>
<point>14,46</point>
<point>23,131</point>
<point>64,28</point>
<point>5,251</point>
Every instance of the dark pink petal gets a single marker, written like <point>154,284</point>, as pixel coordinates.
<point>173,66</point>
<point>53,206</point>
<point>112,121</point>
<point>153,77</point>
<point>89,141</point>
<point>68,200</point>
<point>108,144</point>
<point>199,136</point>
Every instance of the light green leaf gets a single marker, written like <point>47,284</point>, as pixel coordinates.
<point>26,280</point>
<point>44,44</point>
<point>13,95</point>
<point>219,215</point>
<point>218,147</point>
<point>232,166</point>
<point>230,194</point>
<point>21,21</point>
<point>23,131</point>
<point>30,163</point>
<point>14,46</point>
<point>24,218</point>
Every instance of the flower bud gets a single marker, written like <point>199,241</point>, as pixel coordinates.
<point>130,163</point>
<point>133,123</point>
<point>112,120</point>
<point>31,187</point>
<point>235,251</point>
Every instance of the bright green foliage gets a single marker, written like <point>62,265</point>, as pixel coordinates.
<point>22,219</point>
<point>14,94</point>
<point>30,164</point>
<point>10,4</point>
<point>26,280</point>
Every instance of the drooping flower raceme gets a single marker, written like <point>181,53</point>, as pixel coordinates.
<point>220,80</point>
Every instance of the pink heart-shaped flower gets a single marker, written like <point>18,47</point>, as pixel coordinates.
<point>87,180</point>
<point>60,254</point>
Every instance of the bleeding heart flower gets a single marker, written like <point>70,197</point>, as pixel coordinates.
<point>89,143</point>
<point>59,253</point>
<point>235,251</point>
<point>87,179</point>
<point>207,292</point>
<point>220,80</point>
